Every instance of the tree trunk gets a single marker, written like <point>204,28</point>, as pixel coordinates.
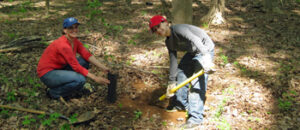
<point>215,13</point>
<point>182,11</point>
<point>47,6</point>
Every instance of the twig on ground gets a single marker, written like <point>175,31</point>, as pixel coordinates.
<point>63,100</point>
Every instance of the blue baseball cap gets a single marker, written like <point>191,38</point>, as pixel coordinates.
<point>68,22</point>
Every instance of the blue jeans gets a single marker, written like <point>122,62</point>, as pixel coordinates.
<point>65,81</point>
<point>193,98</point>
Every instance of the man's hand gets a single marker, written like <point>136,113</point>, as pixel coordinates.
<point>207,64</point>
<point>169,94</point>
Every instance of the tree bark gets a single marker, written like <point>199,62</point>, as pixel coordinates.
<point>182,11</point>
<point>215,13</point>
<point>47,6</point>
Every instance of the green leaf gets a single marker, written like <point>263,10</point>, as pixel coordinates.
<point>86,46</point>
<point>65,126</point>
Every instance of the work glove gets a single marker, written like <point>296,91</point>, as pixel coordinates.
<point>207,64</point>
<point>169,94</point>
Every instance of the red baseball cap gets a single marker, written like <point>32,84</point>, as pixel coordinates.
<point>155,20</point>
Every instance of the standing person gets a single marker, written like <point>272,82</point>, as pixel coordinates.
<point>60,70</point>
<point>199,50</point>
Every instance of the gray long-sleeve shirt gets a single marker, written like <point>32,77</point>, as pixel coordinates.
<point>185,37</point>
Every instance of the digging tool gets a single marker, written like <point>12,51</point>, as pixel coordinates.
<point>81,118</point>
<point>173,90</point>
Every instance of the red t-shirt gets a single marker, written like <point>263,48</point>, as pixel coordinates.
<point>59,54</point>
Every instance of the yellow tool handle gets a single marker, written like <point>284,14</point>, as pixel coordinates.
<point>173,90</point>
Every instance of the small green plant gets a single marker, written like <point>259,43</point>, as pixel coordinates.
<point>285,67</point>
<point>205,25</point>
<point>286,102</point>
<point>94,4</point>
<point>144,13</point>
<point>53,117</point>
<point>229,90</point>
<point>225,59</point>
<point>128,62</point>
<point>65,126</point>
<point>11,96</point>
<point>4,114</point>
<point>73,118</point>
<point>224,125</point>
<point>117,28</point>
<point>164,123</point>
<point>27,120</point>
<point>92,7</point>
<point>220,108</point>
<point>11,35</point>
<point>108,57</point>
<point>155,71</point>
<point>137,114</point>
<point>41,116</point>
<point>236,63</point>
<point>130,41</point>
<point>133,39</point>
<point>120,105</point>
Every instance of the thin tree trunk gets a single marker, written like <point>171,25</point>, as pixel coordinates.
<point>182,11</point>
<point>215,13</point>
<point>47,6</point>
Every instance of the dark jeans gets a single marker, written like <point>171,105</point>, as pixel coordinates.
<point>65,81</point>
<point>191,99</point>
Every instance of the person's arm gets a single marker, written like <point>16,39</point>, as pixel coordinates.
<point>98,79</point>
<point>96,62</point>
<point>89,57</point>
<point>197,40</point>
<point>173,66</point>
<point>67,53</point>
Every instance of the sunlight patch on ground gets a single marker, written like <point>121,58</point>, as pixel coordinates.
<point>108,3</point>
<point>63,12</point>
<point>41,4</point>
<point>221,35</point>
<point>151,57</point>
<point>296,11</point>
<point>132,30</point>
<point>3,4</point>
<point>112,47</point>
<point>259,64</point>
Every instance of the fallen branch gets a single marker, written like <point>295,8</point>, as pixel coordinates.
<point>20,43</point>
<point>23,109</point>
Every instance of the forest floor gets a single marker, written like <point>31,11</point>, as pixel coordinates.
<point>256,86</point>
